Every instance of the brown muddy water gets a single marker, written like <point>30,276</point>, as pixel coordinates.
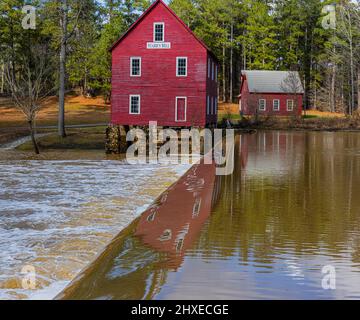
<point>291,207</point>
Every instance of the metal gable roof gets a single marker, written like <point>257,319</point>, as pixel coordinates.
<point>273,81</point>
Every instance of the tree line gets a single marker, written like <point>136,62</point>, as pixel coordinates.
<point>72,38</point>
<point>292,35</point>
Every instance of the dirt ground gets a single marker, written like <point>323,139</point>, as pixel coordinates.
<point>228,108</point>
<point>78,110</point>
<point>322,114</point>
<point>233,109</point>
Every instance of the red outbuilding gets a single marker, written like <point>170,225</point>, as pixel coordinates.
<point>162,72</point>
<point>271,93</point>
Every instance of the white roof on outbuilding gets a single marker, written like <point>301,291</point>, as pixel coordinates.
<point>273,81</point>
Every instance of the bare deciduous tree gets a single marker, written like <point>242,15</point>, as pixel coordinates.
<point>293,87</point>
<point>29,85</point>
<point>346,28</point>
<point>253,104</point>
<point>65,35</point>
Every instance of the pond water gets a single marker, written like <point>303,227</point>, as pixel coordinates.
<point>57,215</point>
<point>290,208</point>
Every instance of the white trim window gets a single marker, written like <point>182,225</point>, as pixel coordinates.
<point>159,31</point>
<point>208,105</point>
<point>262,105</point>
<point>290,105</point>
<point>181,66</point>
<point>135,67</point>
<point>213,71</point>
<point>134,104</point>
<point>176,109</point>
<point>196,208</point>
<point>276,105</point>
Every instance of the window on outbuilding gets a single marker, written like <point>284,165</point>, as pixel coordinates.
<point>134,104</point>
<point>159,30</point>
<point>181,67</point>
<point>290,105</point>
<point>262,105</point>
<point>135,67</point>
<point>276,105</point>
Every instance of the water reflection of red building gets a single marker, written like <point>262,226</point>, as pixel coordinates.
<point>174,221</point>
<point>268,150</point>
<point>136,264</point>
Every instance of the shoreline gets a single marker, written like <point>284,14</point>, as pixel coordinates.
<point>24,138</point>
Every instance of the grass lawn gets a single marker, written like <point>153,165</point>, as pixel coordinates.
<point>79,139</point>
<point>222,116</point>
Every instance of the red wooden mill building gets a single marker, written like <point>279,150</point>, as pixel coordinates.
<point>162,72</point>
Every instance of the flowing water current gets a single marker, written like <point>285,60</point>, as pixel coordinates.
<point>56,216</point>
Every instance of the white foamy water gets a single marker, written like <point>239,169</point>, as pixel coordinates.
<point>58,215</point>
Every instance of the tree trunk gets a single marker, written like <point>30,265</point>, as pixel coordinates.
<point>111,11</point>
<point>315,95</point>
<point>224,73</point>
<point>358,90</point>
<point>332,89</point>
<point>244,57</point>
<point>342,96</point>
<point>85,83</point>
<point>231,63</point>
<point>2,77</point>
<point>63,25</point>
<point>352,79</point>
<point>33,139</point>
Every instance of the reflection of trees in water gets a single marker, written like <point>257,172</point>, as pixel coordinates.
<point>257,215</point>
<point>315,206</point>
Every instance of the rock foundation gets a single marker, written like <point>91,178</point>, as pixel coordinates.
<point>115,140</point>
